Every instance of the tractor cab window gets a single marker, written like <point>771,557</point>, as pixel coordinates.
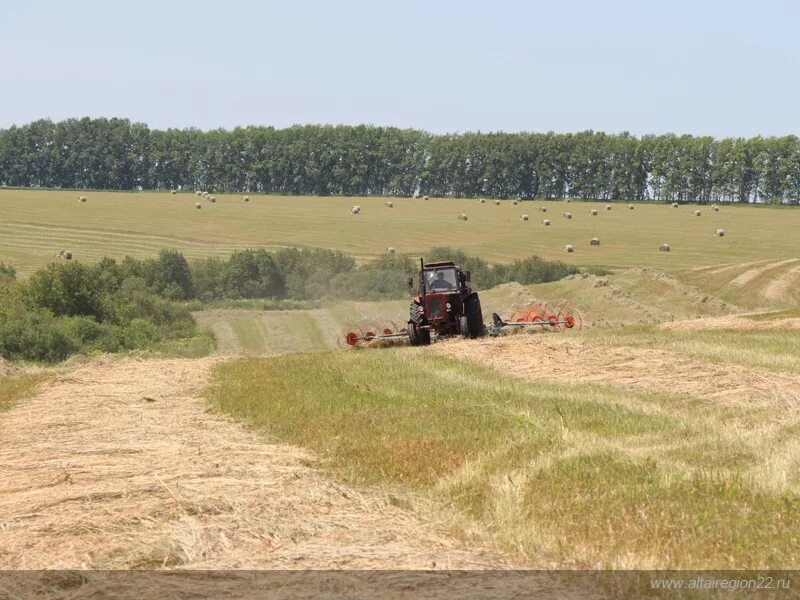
<point>442,280</point>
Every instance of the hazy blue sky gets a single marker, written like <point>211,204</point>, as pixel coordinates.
<point>702,67</point>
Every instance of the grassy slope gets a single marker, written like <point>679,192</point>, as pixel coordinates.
<point>36,224</point>
<point>570,474</point>
<point>769,350</point>
<point>13,389</point>
<point>628,297</point>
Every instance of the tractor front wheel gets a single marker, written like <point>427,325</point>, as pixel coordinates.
<point>463,327</point>
<point>417,336</point>
<point>473,317</point>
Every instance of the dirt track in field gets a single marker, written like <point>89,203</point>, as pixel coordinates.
<point>118,465</point>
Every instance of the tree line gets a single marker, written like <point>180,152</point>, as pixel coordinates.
<point>366,160</point>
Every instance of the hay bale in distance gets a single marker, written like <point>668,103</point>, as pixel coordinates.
<point>594,242</point>
<point>569,248</point>
<point>355,210</point>
<point>543,209</point>
<point>198,205</point>
<point>390,250</point>
<point>631,207</point>
<point>696,213</point>
<point>524,217</point>
<point>245,198</point>
<point>390,204</point>
<point>567,215</point>
<point>462,217</point>
<point>82,198</point>
<point>674,205</point>
<point>664,248</point>
<point>425,198</point>
<point>720,233</point>
<point>593,212</point>
<point>608,207</point>
<point>546,222</point>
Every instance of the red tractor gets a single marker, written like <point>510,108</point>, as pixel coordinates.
<point>445,305</point>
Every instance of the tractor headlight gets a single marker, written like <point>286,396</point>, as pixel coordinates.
<point>448,306</point>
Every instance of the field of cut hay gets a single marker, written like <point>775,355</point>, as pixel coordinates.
<point>565,451</point>
<point>35,225</point>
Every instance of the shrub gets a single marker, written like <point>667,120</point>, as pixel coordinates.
<point>66,289</point>
<point>7,273</point>
<point>252,274</point>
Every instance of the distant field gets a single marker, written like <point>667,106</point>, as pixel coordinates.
<point>35,225</point>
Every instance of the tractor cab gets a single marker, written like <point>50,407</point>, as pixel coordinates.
<point>445,303</point>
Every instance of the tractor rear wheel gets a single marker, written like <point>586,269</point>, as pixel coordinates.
<point>473,317</point>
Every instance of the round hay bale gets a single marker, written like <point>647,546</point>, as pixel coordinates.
<point>608,207</point>
<point>546,222</point>
<point>173,192</point>
<point>245,198</point>
<point>715,208</point>
<point>390,250</point>
<point>515,202</point>
<point>524,217</point>
<point>82,198</point>
<point>567,215</point>
<point>674,205</point>
<point>696,213</point>
<point>425,198</point>
<point>594,242</point>
<point>482,201</point>
<point>390,204</point>
<point>212,199</point>
<point>569,248</point>
<point>720,233</point>
<point>543,209</point>
<point>65,254</point>
<point>569,200</point>
<point>206,194</point>
<point>198,205</point>
<point>664,247</point>
<point>593,212</point>
<point>355,210</point>
<point>631,207</point>
<point>199,193</point>
<point>462,217</point>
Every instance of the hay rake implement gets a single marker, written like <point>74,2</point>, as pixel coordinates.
<point>370,330</point>
<point>560,317</point>
<point>524,317</point>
